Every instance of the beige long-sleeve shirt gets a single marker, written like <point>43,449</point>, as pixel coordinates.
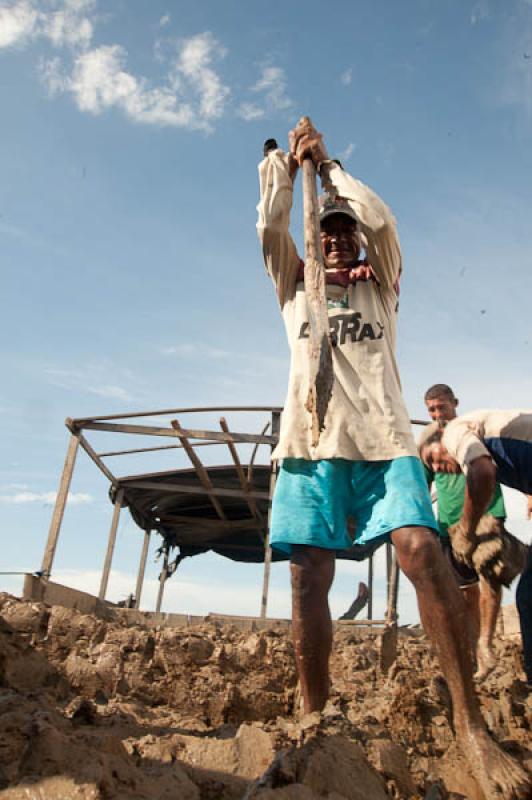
<point>490,432</point>
<point>366,417</point>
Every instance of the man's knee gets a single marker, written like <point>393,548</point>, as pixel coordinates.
<point>419,552</point>
<point>311,569</point>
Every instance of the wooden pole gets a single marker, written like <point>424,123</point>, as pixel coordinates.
<point>142,567</point>
<point>393,590</point>
<point>276,422</point>
<point>388,567</point>
<point>370,587</point>
<point>111,544</point>
<point>201,472</point>
<point>320,354</point>
<point>162,580</point>
<point>388,647</point>
<point>59,508</point>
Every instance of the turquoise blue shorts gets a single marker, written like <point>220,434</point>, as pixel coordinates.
<point>335,503</point>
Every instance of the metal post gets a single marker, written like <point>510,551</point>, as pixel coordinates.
<point>370,587</point>
<point>162,580</point>
<point>60,503</point>
<point>111,544</point>
<point>276,422</point>
<point>142,567</point>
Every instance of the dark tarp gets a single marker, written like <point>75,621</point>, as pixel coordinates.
<point>191,523</point>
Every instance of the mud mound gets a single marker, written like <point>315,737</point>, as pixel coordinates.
<point>94,709</point>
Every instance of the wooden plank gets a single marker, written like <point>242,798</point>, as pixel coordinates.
<point>206,523</point>
<point>254,455</point>
<point>240,438</point>
<point>99,463</point>
<point>162,580</point>
<point>186,489</point>
<point>201,472</point>
<point>142,567</point>
<point>59,507</point>
<point>252,505</point>
<point>110,453</point>
<point>151,430</point>
<point>80,421</point>
<point>111,544</point>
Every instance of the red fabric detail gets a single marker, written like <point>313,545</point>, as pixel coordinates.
<point>345,277</point>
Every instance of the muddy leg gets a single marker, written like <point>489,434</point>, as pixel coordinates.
<point>490,603</point>
<point>312,572</point>
<point>471,596</point>
<point>443,614</point>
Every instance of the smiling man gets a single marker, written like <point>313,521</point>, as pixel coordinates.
<point>364,474</point>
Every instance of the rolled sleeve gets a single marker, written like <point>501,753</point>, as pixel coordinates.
<point>464,444</point>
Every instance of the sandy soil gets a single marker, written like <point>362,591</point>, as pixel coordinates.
<point>93,709</point>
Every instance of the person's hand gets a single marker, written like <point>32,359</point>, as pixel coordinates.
<point>463,542</point>
<point>361,273</point>
<point>305,142</point>
<point>529,506</point>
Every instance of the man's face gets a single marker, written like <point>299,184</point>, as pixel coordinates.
<point>438,459</point>
<point>339,242</point>
<point>442,409</point>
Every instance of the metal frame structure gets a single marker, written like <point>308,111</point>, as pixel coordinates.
<point>188,441</point>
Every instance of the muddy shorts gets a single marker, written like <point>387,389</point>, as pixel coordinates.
<point>334,503</point>
<point>465,576</point>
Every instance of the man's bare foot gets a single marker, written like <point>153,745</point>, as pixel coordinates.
<point>499,776</point>
<point>486,661</point>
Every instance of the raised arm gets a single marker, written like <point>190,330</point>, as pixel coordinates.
<point>276,173</point>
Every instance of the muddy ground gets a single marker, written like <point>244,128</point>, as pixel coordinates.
<point>94,709</point>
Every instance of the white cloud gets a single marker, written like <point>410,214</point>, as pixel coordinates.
<point>190,350</point>
<point>271,86</point>
<point>250,112</point>
<point>61,22</point>
<point>113,392</point>
<point>346,154</point>
<point>480,12</point>
<point>44,498</point>
<point>194,62</point>
<point>18,23</point>
<point>347,76</point>
<point>92,379</point>
<point>192,97</point>
<point>192,94</point>
<point>69,24</point>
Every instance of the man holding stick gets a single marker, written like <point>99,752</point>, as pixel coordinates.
<point>364,467</point>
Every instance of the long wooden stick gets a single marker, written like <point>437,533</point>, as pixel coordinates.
<point>320,354</point>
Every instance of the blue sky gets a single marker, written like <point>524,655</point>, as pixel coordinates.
<point>131,274</point>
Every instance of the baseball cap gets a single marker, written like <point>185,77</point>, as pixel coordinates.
<point>335,205</point>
